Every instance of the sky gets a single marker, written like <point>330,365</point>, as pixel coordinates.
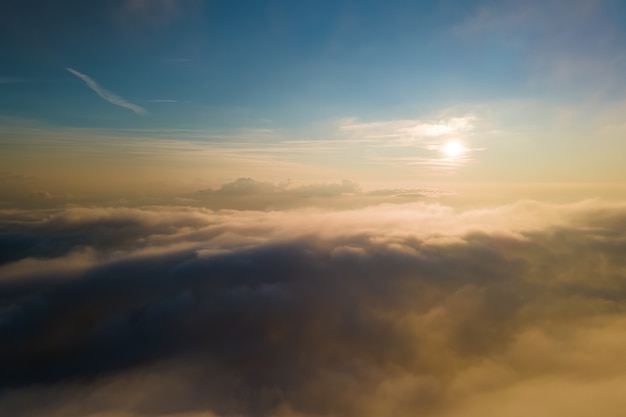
<point>214,208</point>
<point>165,91</point>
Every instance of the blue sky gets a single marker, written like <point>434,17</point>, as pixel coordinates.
<point>536,75</point>
<point>243,62</point>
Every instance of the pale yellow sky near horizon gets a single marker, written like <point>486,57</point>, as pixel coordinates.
<point>497,160</point>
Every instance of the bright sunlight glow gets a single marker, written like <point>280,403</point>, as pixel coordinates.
<point>453,149</point>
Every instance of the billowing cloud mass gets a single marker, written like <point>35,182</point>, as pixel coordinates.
<point>404,310</point>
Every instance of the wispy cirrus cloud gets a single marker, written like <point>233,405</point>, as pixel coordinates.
<point>106,94</point>
<point>435,144</point>
<point>162,101</point>
<point>407,131</point>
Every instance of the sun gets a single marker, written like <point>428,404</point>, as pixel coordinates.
<point>453,149</point>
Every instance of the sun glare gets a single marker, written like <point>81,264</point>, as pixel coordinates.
<point>453,149</point>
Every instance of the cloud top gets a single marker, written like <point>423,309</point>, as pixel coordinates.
<point>388,310</point>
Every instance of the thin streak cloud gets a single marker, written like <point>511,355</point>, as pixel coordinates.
<point>107,95</point>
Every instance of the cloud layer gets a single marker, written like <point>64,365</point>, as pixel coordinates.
<point>411,309</point>
<point>248,193</point>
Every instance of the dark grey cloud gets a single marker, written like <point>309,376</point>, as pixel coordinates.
<point>161,311</point>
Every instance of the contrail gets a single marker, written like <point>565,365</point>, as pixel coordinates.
<point>107,95</point>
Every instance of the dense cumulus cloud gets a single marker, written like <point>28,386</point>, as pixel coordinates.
<point>406,309</point>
